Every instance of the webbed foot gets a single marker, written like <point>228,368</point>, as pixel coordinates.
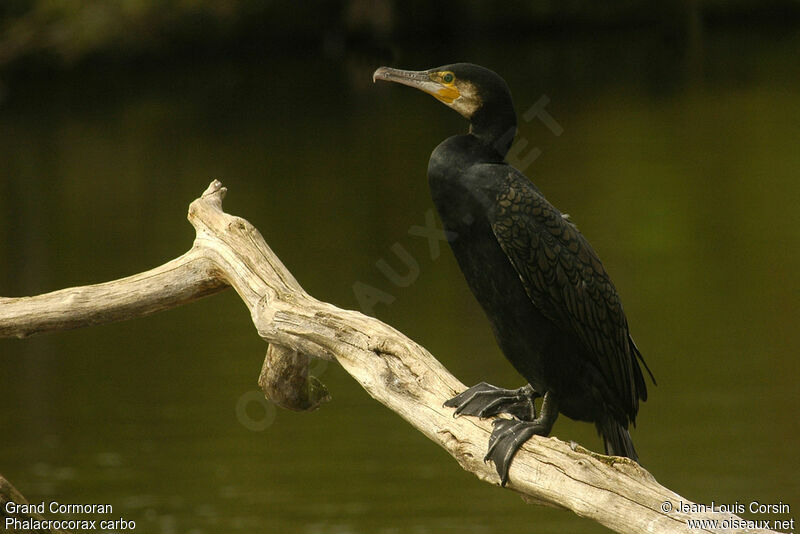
<point>486,400</point>
<point>509,435</point>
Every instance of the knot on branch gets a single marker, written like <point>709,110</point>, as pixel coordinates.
<point>285,380</point>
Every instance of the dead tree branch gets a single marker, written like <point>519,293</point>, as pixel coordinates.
<point>392,368</point>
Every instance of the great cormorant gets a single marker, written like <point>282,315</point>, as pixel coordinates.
<point>554,311</point>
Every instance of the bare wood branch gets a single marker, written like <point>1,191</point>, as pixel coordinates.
<point>392,368</point>
<point>286,381</point>
<point>180,281</point>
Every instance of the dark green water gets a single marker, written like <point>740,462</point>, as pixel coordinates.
<point>683,170</point>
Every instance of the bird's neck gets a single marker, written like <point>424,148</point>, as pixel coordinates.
<point>495,126</point>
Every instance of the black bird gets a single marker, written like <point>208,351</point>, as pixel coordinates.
<point>554,311</point>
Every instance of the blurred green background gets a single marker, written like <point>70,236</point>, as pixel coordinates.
<point>678,160</point>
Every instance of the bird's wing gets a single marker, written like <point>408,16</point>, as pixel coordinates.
<point>567,282</point>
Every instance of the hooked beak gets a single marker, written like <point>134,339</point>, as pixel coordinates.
<point>419,79</point>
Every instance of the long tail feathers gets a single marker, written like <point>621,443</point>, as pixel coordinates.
<point>617,440</point>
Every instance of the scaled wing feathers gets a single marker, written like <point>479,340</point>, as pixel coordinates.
<point>566,281</point>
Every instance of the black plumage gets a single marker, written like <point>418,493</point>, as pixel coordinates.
<point>554,310</point>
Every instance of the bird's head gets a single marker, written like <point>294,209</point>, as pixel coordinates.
<point>477,93</point>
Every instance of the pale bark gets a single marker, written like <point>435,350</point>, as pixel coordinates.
<point>393,369</point>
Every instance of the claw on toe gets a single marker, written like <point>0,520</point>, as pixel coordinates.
<point>485,400</point>
<point>506,439</point>
<point>508,435</point>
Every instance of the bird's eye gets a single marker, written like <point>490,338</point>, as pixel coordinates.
<point>448,77</point>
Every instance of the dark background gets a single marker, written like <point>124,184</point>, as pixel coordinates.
<point>678,160</point>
